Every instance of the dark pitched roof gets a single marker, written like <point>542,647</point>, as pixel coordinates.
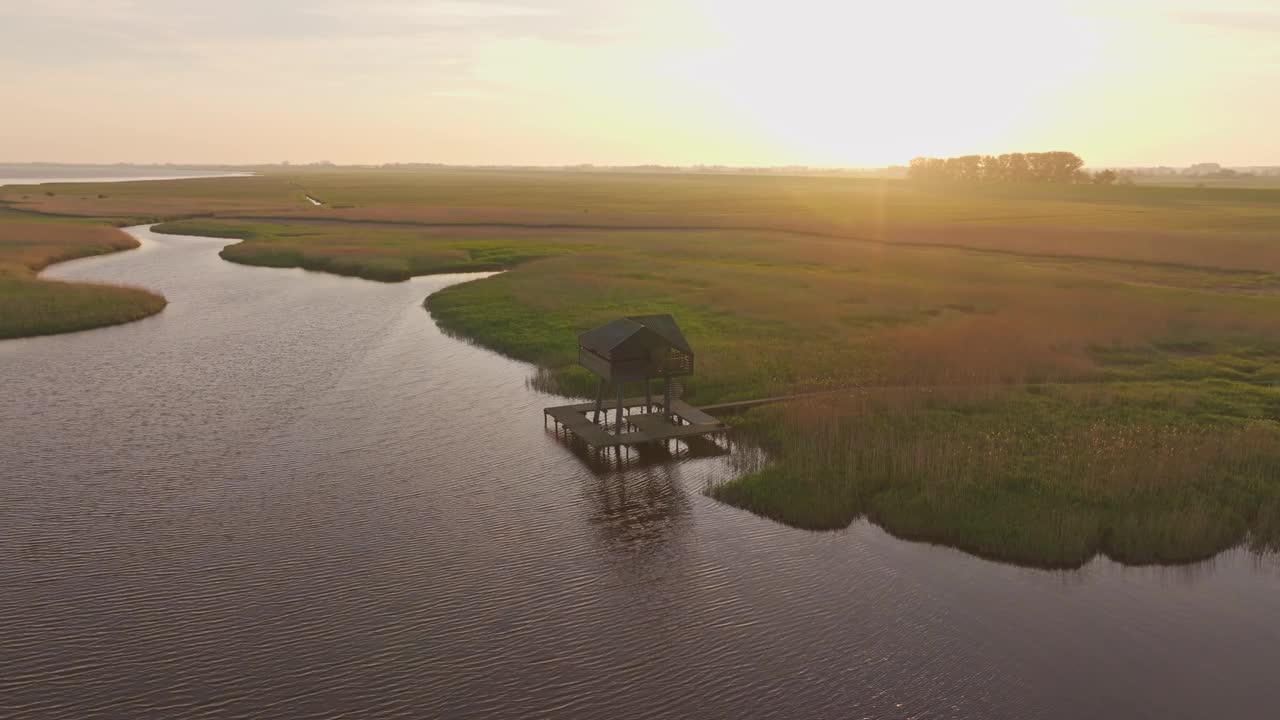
<point>604,339</point>
<point>665,325</point>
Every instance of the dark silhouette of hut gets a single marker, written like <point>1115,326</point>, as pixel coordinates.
<point>637,349</point>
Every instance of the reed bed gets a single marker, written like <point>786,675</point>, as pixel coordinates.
<point>1046,478</point>
<point>33,306</point>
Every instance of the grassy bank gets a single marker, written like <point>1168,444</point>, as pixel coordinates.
<point>33,306</point>
<point>1145,473</point>
<point>1144,320</point>
<point>382,253</point>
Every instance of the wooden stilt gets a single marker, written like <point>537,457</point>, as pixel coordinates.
<point>618,430</point>
<point>595,418</point>
<point>648,396</point>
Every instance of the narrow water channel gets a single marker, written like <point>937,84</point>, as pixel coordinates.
<point>290,495</point>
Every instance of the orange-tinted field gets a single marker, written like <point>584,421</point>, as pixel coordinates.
<point>32,306</point>
<point>1232,228</point>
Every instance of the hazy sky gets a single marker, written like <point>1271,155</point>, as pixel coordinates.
<point>664,81</point>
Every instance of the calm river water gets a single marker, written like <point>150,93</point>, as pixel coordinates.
<point>290,496</point>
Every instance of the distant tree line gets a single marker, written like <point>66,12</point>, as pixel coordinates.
<point>1046,167</point>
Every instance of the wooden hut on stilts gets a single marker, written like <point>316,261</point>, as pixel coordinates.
<point>636,350</point>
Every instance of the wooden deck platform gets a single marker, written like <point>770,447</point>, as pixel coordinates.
<point>642,427</point>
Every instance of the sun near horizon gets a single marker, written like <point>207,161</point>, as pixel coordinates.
<point>575,81</point>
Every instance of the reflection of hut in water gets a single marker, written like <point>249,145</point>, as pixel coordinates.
<point>604,461</point>
<point>630,351</point>
<point>640,509</point>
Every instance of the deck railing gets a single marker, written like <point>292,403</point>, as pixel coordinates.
<point>678,362</point>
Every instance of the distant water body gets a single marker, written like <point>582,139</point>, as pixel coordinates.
<point>38,174</point>
<point>290,495</point>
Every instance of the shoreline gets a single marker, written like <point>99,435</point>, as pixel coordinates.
<point>840,468</point>
<point>38,303</point>
<point>939,531</point>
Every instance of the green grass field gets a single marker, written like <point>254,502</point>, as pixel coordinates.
<point>387,254</point>
<point>33,306</point>
<point>1083,369</point>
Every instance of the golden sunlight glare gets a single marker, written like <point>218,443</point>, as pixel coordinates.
<point>876,83</point>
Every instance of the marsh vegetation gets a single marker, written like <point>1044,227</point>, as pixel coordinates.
<point>1080,368</point>
<point>383,253</point>
<point>1047,476</point>
<point>34,306</point>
